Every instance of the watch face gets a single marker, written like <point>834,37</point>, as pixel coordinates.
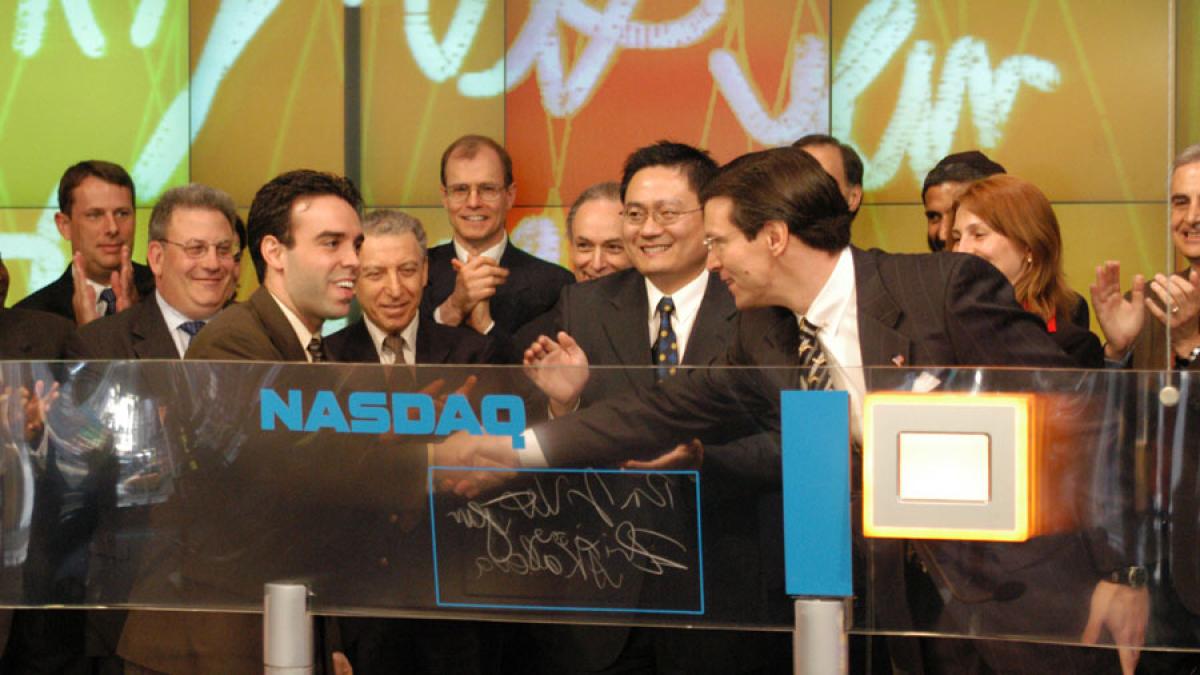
<point>1137,577</point>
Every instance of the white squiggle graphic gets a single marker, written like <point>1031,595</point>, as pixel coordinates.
<point>538,46</point>
<point>806,108</point>
<point>923,124</point>
<point>82,23</point>
<point>30,26</point>
<point>439,61</point>
<point>147,22</point>
<point>540,236</point>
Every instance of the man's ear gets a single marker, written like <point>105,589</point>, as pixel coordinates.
<point>272,252</point>
<point>777,236</point>
<point>154,257</point>
<point>63,222</point>
<point>856,197</point>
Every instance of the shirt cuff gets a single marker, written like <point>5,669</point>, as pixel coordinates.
<point>531,455</point>
<point>437,315</point>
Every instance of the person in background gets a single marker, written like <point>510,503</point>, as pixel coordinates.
<point>944,184</point>
<point>594,231</point>
<point>840,161</point>
<point>1010,223</point>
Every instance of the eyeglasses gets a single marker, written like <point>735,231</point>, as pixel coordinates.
<point>636,215</point>
<point>488,192</point>
<point>198,249</point>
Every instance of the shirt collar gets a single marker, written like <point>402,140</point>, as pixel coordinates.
<point>687,299</point>
<point>409,334</point>
<point>494,252</point>
<point>302,332</point>
<point>828,309</point>
<point>174,317</point>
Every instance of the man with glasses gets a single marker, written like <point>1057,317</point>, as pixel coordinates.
<point>669,312</point>
<point>480,279</point>
<point>194,255</point>
<point>96,214</point>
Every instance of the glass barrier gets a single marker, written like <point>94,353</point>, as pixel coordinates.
<point>1043,506</point>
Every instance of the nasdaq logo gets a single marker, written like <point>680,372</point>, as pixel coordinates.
<point>377,412</point>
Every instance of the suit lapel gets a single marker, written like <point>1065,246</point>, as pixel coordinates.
<point>878,316</point>
<point>358,346</point>
<point>628,332</point>
<point>279,330</point>
<point>717,311</point>
<point>149,332</point>
<point>430,350</point>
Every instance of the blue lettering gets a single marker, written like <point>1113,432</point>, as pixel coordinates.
<point>457,415</point>
<point>326,413</point>
<point>403,423</point>
<point>272,408</point>
<point>369,413</point>
<point>514,426</point>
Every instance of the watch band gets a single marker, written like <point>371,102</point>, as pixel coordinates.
<point>1134,576</point>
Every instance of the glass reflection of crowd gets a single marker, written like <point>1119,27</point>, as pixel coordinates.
<point>91,450</point>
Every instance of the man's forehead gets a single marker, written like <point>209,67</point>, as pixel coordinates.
<point>480,157</point>
<point>96,187</point>
<point>830,159</point>
<point>390,249</point>
<point>1186,179</point>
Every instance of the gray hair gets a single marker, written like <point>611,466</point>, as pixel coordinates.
<point>190,196</point>
<point>1190,155</point>
<point>606,190</point>
<point>390,221</point>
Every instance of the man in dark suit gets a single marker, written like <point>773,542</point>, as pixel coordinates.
<point>96,214</point>
<point>27,335</point>
<point>480,279</point>
<point>393,272</point>
<point>620,320</point>
<point>193,252</point>
<point>778,232</point>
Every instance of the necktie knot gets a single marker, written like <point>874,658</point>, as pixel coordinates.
<point>395,344</point>
<point>191,327</point>
<point>316,349</point>
<point>666,306</point>
<point>109,298</point>
<point>814,365</point>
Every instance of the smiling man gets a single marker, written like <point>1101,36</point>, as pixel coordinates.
<point>193,253</point>
<point>480,279</point>
<point>96,214</point>
<point>392,276</point>
<point>594,227</point>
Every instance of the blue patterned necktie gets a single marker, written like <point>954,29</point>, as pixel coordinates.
<point>191,327</point>
<point>666,347</point>
<point>814,366</point>
<point>109,298</point>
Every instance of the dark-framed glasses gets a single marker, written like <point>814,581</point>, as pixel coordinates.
<point>636,215</point>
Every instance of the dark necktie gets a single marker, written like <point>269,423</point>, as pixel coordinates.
<point>109,298</point>
<point>395,344</point>
<point>316,349</point>
<point>191,327</point>
<point>666,347</point>
<point>813,364</point>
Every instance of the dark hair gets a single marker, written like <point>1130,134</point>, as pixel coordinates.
<point>788,185</point>
<point>851,162</point>
<point>468,146</point>
<point>606,190</point>
<point>270,212</point>
<point>694,163</point>
<point>98,168</point>
<point>961,167</point>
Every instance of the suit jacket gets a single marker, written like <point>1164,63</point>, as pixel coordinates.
<point>139,332</point>
<point>531,289</point>
<point>929,310</point>
<point>435,344</point>
<point>28,335</point>
<point>55,297</point>
<point>255,330</point>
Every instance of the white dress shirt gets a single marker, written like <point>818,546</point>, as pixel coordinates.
<point>302,333</point>
<point>687,305</point>
<point>408,335</point>
<point>835,314</point>
<point>174,318</point>
<point>101,306</point>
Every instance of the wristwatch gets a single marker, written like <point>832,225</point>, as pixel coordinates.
<point>1134,576</point>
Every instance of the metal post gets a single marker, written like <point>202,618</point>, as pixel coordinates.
<point>287,630</point>
<point>819,642</point>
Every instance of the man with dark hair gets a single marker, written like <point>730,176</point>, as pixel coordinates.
<point>96,214</point>
<point>594,232</point>
<point>945,183</point>
<point>814,312</point>
<point>667,311</point>
<point>304,233</point>
<point>840,161</point>
<point>480,279</point>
